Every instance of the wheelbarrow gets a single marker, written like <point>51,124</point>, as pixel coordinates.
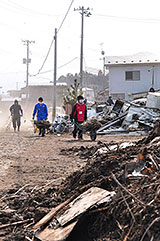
<point>43,124</point>
<point>96,128</point>
<point>91,131</point>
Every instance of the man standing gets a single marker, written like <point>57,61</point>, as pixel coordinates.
<point>16,113</point>
<point>79,114</point>
<point>42,113</point>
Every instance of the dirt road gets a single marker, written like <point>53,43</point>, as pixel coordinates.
<point>32,169</point>
<point>27,159</point>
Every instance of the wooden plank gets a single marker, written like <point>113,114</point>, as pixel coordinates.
<point>50,215</point>
<point>59,234</point>
<point>77,207</point>
<point>82,203</point>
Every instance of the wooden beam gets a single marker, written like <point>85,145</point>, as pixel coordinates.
<point>50,215</point>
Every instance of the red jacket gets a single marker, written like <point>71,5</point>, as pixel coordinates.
<point>79,112</point>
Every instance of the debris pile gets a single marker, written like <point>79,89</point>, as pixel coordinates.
<point>155,132</point>
<point>134,213</point>
<point>90,125</point>
<point>128,118</point>
<point>130,170</point>
<point>42,124</point>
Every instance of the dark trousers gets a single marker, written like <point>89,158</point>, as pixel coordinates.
<point>77,130</point>
<point>16,120</point>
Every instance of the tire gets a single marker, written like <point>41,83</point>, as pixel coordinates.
<point>93,135</point>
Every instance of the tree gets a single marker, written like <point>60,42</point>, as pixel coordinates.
<point>72,94</point>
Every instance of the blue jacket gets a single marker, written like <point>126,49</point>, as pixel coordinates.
<point>41,110</point>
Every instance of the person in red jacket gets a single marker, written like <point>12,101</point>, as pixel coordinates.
<point>79,114</point>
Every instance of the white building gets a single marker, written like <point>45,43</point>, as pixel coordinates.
<point>129,75</point>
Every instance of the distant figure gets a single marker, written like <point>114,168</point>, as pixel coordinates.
<point>110,101</point>
<point>16,113</point>
<point>42,113</point>
<point>79,114</point>
<point>151,89</point>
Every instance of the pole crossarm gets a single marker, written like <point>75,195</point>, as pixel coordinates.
<point>27,60</point>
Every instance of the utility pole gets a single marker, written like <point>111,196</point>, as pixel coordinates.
<point>83,12</point>
<point>27,61</point>
<point>54,77</point>
<point>153,76</point>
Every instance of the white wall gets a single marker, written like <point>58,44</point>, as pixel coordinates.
<point>118,84</point>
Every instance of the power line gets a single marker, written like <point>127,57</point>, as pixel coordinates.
<point>12,72</point>
<point>37,77</point>
<point>45,58</point>
<point>67,63</point>
<point>12,6</point>
<point>51,70</point>
<point>65,15</point>
<point>123,18</point>
<point>53,39</point>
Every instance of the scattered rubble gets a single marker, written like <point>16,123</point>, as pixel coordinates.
<point>123,118</point>
<point>131,170</point>
<point>155,132</point>
<point>131,118</point>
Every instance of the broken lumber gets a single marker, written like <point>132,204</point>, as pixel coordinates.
<point>15,223</point>
<point>82,203</point>
<point>59,234</point>
<point>125,189</point>
<point>76,208</point>
<point>50,215</point>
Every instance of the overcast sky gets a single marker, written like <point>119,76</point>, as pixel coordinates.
<point>119,27</point>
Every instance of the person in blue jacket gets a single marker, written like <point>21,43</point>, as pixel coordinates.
<point>42,113</point>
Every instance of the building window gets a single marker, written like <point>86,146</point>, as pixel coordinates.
<point>132,75</point>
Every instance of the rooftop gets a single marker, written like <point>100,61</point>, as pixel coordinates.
<point>139,58</point>
<point>44,84</point>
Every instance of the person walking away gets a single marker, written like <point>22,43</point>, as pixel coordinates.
<point>16,113</point>
<point>79,114</point>
<point>41,111</point>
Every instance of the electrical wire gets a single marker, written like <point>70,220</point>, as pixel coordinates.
<point>12,6</point>
<point>17,72</point>
<point>65,16</point>
<point>48,71</point>
<point>53,39</point>
<point>37,77</point>
<point>45,58</point>
<point>143,20</point>
<point>67,63</point>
